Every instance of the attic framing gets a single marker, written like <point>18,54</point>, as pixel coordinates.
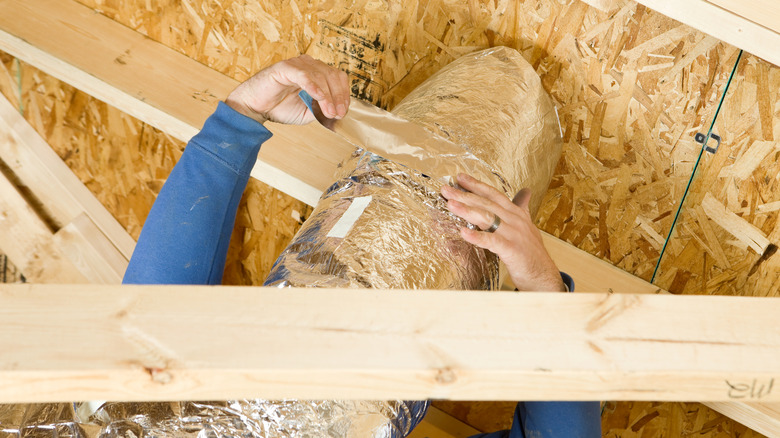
<point>109,69</point>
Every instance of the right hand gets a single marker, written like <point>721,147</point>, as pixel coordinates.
<point>517,241</point>
<point>272,93</point>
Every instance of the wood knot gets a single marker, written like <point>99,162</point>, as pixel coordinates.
<point>446,376</point>
<point>159,375</point>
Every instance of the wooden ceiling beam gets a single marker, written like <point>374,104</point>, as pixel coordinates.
<point>753,26</point>
<point>198,342</point>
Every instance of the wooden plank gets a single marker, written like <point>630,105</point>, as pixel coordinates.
<point>729,21</point>
<point>28,241</point>
<point>114,64</point>
<point>91,252</point>
<point>55,186</point>
<point>170,343</point>
<point>765,13</point>
<point>591,273</point>
<point>761,417</point>
<point>438,424</point>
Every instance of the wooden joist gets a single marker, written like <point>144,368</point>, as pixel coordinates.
<point>438,424</point>
<point>761,417</point>
<point>29,242</point>
<point>56,188</point>
<point>199,342</point>
<point>753,26</point>
<point>62,234</point>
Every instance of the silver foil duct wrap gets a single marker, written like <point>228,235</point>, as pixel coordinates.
<point>404,238</point>
<point>237,418</point>
<point>382,224</point>
<point>492,104</point>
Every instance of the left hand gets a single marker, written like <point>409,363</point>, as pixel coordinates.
<point>517,241</point>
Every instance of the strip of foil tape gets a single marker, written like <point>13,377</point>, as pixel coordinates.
<point>485,114</point>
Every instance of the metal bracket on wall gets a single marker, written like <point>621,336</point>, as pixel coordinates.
<point>703,140</point>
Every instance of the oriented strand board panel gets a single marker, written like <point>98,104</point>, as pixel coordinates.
<point>141,343</point>
<point>727,237</point>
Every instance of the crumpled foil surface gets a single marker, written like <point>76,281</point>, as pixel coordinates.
<point>236,418</point>
<point>406,238</point>
<point>492,104</point>
<point>485,114</point>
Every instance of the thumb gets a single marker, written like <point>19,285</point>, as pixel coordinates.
<point>522,198</point>
<point>314,107</point>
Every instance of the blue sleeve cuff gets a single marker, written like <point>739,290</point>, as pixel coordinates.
<point>567,281</point>
<point>232,137</point>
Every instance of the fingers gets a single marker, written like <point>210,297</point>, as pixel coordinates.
<point>475,208</point>
<point>340,89</point>
<point>481,217</point>
<point>327,85</point>
<point>490,241</point>
<point>484,190</point>
<point>522,198</point>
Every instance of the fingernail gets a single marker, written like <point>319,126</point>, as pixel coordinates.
<point>342,109</point>
<point>332,109</point>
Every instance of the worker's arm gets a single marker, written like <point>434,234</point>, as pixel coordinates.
<point>516,241</point>
<point>186,234</point>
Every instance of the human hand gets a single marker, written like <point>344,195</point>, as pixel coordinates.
<point>272,93</point>
<point>516,241</point>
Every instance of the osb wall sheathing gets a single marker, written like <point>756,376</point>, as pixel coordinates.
<point>632,88</point>
<point>726,239</point>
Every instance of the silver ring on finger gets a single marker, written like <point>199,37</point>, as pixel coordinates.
<point>494,226</point>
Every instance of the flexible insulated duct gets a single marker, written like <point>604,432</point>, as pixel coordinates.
<point>382,224</point>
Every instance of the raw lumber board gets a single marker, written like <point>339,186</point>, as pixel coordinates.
<point>29,242</point>
<point>89,249</point>
<point>54,185</point>
<point>749,25</point>
<point>592,274</point>
<point>143,343</point>
<point>761,417</point>
<point>438,424</point>
<point>765,13</point>
<point>116,64</point>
